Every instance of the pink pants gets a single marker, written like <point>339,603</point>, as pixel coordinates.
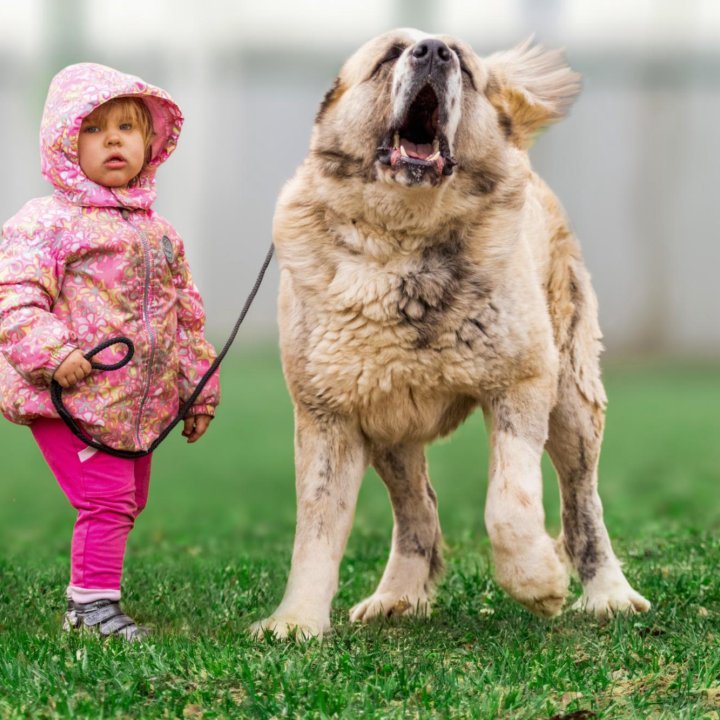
<point>108,493</point>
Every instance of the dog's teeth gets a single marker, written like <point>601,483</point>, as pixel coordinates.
<point>433,157</point>
<point>403,152</point>
<point>396,140</point>
<point>436,145</point>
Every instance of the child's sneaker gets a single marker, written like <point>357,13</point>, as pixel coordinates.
<point>105,618</point>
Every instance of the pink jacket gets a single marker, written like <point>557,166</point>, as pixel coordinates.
<point>89,263</point>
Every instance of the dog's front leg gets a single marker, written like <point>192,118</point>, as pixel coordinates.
<point>527,565</point>
<point>330,459</point>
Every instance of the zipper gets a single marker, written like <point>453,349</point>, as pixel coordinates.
<point>146,319</point>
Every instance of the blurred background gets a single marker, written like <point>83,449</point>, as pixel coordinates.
<point>636,167</point>
<point>635,164</point>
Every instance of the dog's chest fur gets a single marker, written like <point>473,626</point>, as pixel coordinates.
<point>408,333</point>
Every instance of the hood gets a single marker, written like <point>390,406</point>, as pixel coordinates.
<point>74,93</point>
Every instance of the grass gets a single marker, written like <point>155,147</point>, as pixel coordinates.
<point>211,554</point>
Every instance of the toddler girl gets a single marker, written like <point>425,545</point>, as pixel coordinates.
<point>90,262</point>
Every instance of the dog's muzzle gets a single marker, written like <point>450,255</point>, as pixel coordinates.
<point>416,147</point>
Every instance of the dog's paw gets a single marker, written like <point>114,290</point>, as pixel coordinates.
<point>535,576</point>
<point>545,606</point>
<point>609,597</point>
<point>390,605</point>
<point>283,626</point>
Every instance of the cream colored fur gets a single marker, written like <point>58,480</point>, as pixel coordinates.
<point>408,298</point>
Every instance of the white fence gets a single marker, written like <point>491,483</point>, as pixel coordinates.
<point>636,166</point>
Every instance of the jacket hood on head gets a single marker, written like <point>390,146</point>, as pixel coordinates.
<point>74,93</point>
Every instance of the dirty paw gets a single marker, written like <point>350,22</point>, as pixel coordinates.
<point>611,599</point>
<point>546,606</point>
<point>283,626</point>
<point>390,605</point>
<point>537,578</point>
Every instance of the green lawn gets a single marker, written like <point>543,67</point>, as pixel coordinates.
<point>211,554</point>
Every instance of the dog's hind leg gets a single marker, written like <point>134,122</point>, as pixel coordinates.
<point>415,560</point>
<point>576,426</point>
<point>330,459</point>
<point>575,434</point>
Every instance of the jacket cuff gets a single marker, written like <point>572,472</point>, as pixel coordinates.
<point>56,360</point>
<point>201,410</point>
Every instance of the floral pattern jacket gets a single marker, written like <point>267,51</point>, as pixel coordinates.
<point>89,263</point>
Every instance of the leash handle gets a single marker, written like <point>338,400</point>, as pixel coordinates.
<point>56,389</point>
<point>56,396</point>
<point>106,344</point>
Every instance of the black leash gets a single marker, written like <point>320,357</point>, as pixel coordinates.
<point>56,389</point>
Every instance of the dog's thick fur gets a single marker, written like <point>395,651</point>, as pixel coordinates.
<point>415,289</point>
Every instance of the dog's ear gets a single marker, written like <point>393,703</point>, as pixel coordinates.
<point>530,87</point>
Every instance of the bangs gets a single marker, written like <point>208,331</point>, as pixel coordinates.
<point>133,110</point>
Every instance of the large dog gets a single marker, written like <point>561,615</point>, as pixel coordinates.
<point>426,270</point>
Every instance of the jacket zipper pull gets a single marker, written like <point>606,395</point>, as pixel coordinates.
<point>125,213</point>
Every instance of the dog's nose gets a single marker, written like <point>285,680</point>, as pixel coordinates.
<point>430,51</point>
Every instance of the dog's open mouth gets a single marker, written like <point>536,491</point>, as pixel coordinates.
<point>419,144</point>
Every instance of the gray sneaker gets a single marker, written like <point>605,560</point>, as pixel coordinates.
<point>105,618</point>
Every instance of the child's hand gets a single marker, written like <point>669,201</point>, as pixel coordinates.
<point>195,426</point>
<point>73,369</point>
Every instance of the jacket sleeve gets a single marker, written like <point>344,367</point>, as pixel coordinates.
<point>196,354</point>
<point>32,339</point>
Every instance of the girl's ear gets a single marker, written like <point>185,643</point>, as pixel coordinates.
<point>530,87</point>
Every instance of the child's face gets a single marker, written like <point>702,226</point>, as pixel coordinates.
<point>111,152</point>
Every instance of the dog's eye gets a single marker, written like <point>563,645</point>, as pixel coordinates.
<point>464,69</point>
<point>393,53</point>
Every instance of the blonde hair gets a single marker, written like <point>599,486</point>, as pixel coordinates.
<point>133,110</point>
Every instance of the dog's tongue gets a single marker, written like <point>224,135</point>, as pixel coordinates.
<point>420,151</point>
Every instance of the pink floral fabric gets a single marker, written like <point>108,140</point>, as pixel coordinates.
<point>89,263</point>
